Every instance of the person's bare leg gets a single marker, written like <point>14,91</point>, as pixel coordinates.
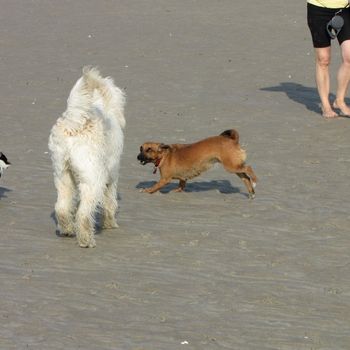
<point>323,58</point>
<point>343,79</point>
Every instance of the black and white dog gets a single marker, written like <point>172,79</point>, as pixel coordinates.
<point>4,163</point>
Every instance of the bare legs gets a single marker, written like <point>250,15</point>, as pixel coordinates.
<point>343,78</point>
<point>323,59</point>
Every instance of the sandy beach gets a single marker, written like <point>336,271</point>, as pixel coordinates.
<point>204,269</point>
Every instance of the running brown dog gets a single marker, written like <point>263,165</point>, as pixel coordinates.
<point>186,161</point>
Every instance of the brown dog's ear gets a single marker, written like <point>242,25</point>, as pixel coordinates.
<point>163,147</point>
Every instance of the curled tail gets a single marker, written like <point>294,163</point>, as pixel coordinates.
<point>232,134</point>
<point>81,95</point>
<point>104,90</point>
<point>92,78</point>
<point>93,90</point>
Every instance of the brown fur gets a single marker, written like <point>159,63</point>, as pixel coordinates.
<point>186,161</point>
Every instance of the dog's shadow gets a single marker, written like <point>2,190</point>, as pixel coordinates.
<point>57,232</point>
<point>223,186</point>
<point>3,191</point>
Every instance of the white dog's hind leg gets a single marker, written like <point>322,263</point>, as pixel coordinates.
<point>110,204</point>
<point>65,204</point>
<point>90,196</point>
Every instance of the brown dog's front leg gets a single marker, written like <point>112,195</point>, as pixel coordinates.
<point>156,187</point>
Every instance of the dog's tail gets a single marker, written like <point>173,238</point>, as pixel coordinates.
<point>94,91</point>
<point>232,134</point>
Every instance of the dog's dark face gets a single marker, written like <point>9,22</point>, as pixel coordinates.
<point>4,160</point>
<point>151,152</point>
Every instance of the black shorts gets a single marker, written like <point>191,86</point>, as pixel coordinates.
<point>317,19</point>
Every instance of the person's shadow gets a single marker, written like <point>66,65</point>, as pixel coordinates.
<point>223,186</point>
<point>307,96</point>
<point>3,192</point>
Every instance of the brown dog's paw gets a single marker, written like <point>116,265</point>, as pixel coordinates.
<point>177,190</point>
<point>145,190</point>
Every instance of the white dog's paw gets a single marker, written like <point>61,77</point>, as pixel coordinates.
<point>109,221</point>
<point>110,225</point>
<point>67,231</point>
<point>146,190</point>
<point>87,244</point>
<point>65,234</point>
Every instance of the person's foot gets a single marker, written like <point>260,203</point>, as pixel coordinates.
<point>343,107</point>
<point>329,113</point>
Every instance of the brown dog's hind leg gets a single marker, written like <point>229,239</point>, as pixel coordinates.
<point>249,171</point>
<point>181,187</point>
<point>249,178</point>
<point>248,183</point>
<point>245,173</point>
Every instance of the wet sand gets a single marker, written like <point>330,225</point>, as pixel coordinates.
<point>203,269</point>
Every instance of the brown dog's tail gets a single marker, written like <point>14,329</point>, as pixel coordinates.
<point>232,134</point>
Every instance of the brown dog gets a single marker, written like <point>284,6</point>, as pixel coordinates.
<point>186,161</point>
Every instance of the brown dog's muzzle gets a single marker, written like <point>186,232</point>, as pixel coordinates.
<point>143,159</point>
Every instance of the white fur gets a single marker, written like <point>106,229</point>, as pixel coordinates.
<point>86,144</point>
<point>3,166</point>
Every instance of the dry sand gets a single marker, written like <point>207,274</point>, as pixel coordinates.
<point>203,269</point>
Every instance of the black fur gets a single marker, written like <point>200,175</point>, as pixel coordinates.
<point>232,134</point>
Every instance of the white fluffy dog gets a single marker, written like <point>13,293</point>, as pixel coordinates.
<point>85,145</point>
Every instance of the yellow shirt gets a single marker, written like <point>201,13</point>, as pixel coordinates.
<point>332,4</point>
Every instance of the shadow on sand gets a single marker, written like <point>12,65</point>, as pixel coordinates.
<point>3,192</point>
<point>307,96</point>
<point>223,186</point>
